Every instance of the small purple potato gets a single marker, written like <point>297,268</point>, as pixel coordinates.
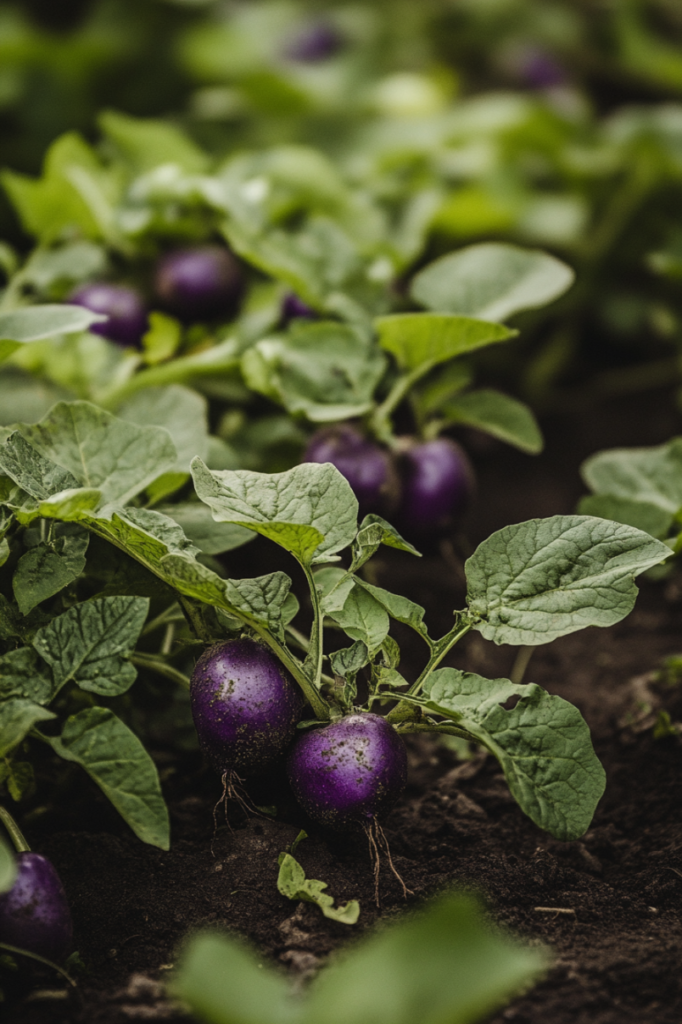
<point>123,305</point>
<point>368,468</point>
<point>294,308</point>
<point>315,41</point>
<point>199,283</point>
<point>34,914</point>
<point>245,706</point>
<point>438,481</point>
<point>348,772</point>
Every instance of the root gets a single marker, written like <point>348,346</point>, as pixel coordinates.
<point>378,844</point>
<point>233,789</point>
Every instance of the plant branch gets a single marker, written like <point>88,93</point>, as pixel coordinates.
<point>380,420</point>
<point>41,959</point>
<point>14,832</point>
<point>162,668</point>
<point>438,652</point>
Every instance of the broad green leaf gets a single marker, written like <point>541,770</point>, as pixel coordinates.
<point>323,370</point>
<point>293,884</point>
<point>64,264</point>
<point>499,415</point>
<point>363,618</point>
<point>491,281</point>
<point>22,676</point>
<point>399,608</point>
<point>651,475</point>
<point>641,514</point>
<point>543,745</point>
<point>201,529</point>
<point>34,322</point>
<point>115,759</point>
<point>99,450</point>
<point>90,643</point>
<point>310,510</point>
<point>47,568</point>
<point>180,411</point>
<point>8,867</point>
<point>373,532</point>
<point>17,718</point>
<point>426,339</point>
<point>444,965</point>
<point>349,660</point>
<point>533,582</point>
<point>147,143</point>
<point>34,473</point>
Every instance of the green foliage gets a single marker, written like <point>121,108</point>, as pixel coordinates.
<point>419,339</point>
<point>293,884</point>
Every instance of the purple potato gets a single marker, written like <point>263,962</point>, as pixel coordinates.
<point>34,914</point>
<point>123,305</point>
<point>368,468</point>
<point>541,70</point>
<point>438,481</point>
<point>245,706</point>
<point>294,308</point>
<point>314,42</point>
<point>348,772</point>
<point>199,283</point>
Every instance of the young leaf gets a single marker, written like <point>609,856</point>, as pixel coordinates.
<point>533,582</point>
<point>35,322</point>
<point>373,532</point>
<point>498,415</point>
<point>398,607</point>
<point>293,884</point>
<point>115,759</point>
<point>310,510</point>
<point>651,475</point>
<point>362,618</point>
<point>90,643</point>
<point>426,339</point>
<point>543,745</point>
<point>101,451</point>
<point>17,718</point>
<point>46,569</point>
<point>22,676</point>
<point>641,514</point>
<point>349,660</point>
<point>491,281</point>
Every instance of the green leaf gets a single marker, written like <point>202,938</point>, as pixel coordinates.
<point>22,676</point>
<point>180,411</point>
<point>349,660</point>
<point>444,965</point>
<point>34,322</point>
<point>19,778</point>
<point>373,532</point>
<point>47,568</point>
<point>64,265</point>
<point>499,415</point>
<point>115,759</point>
<point>426,339</point>
<point>8,867</point>
<point>363,618</point>
<point>162,340</point>
<point>196,521</point>
<point>35,474</point>
<point>323,370</point>
<point>293,884</point>
<point>399,608</point>
<point>491,281</point>
<point>641,514</point>
<point>146,142</point>
<point>543,745</point>
<point>333,585</point>
<point>651,475</point>
<point>17,718</point>
<point>533,582</point>
<point>99,450</point>
<point>90,644</point>
<point>310,510</point>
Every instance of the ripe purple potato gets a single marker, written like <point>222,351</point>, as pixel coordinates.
<point>438,481</point>
<point>348,772</point>
<point>315,42</point>
<point>368,468</point>
<point>123,305</point>
<point>245,705</point>
<point>200,282</point>
<point>294,308</point>
<point>34,914</point>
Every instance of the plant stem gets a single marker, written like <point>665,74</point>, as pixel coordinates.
<point>449,730</point>
<point>194,618</point>
<point>315,650</point>
<point>380,421</point>
<point>161,667</point>
<point>523,656</point>
<point>438,652</point>
<point>14,832</point>
<point>41,959</point>
<point>171,614</point>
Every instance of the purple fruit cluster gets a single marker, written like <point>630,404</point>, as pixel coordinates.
<point>427,487</point>
<point>34,914</point>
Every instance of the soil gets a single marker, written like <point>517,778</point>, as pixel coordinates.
<point>609,905</point>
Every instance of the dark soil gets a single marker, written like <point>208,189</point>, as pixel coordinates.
<point>610,904</point>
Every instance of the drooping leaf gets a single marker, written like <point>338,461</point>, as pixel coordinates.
<point>372,532</point>
<point>491,281</point>
<point>641,514</point>
<point>310,510</point>
<point>90,643</point>
<point>115,759</point>
<point>47,568</point>
<point>362,618</point>
<point>200,527</point>
<point>533,582</point>
<point>426,339</point>
<point>398,607</point>
<point>21,675</point>
<point>35,322</point>
<point>499,415</point>
<point>293,884</point>
<point>17,718</point>
<point>543,745</point>
<point>651,475</point>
